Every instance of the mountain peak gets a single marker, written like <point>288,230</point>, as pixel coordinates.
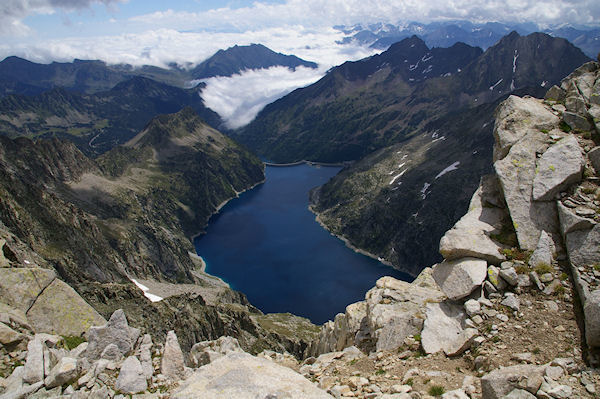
<point>239,58</point>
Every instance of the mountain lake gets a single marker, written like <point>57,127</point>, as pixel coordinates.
<point>268,245</point>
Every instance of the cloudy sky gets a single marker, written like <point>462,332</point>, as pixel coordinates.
<point>188,31</point>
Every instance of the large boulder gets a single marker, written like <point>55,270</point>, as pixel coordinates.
<point>20,287</point>
<point>392,310</point>
<point>515,167</point>
<point>583,246</point>
<point>516,117</point>
<point>207,351</point>
<point>470,236</point>
<point>131,377</point>
<point>443,329</point>
<point>544,251</point>
<point>560,166</point>
<point>395,309</point>
<point>570,221</point>
<point>115,331</point>
<point>172,365</point>
<point>459,278</point>
<point>64,372</point>
<point>501,382</point>
<point>242,376</point>
<point>591,311</point>
<point>60,310</point>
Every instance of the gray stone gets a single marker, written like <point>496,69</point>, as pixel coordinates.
<point>510,276</point>
<point>591,310</point>
<point>443,331</point>
<point>560,166</point>
<point>561,392</point>
<point>37,363</point>
<point>455,394</point>
<point>115,331</point>
<point>131,377</point>
<point>501,382</point>
<point>392,311</point>
<point>145,355</point>
<point>172,365</point>
<point>535,279</point>
<point>60,310</point>
<point>493,276</point>
<point>546,278</point>
<point>24,392</point>
<point>543,252</point>
<point>569,221</point>
<point>516,172</point>
<point>511,300</point>
<point>20,287</point>
<point>111,352</point>
<point>207,351</point>
<point>583,246</point>
<point>576,121</point>
<point>519,394</point>
<point>516,117</point>
<point>472,307</point>
<point>64,372</point>
<point>470,236</point>
<point>575,104</point>
<point>458,278</point>
<point>554,372</point>
<point>8,336</point>
<point>555,93</point>
<point>594,157</point>
<point>242,376</point>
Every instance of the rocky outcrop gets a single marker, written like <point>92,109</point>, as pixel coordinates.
<point>470,236</point>
<point>115,332</point>
<point>392,311</point>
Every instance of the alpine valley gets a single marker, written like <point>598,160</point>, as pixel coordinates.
<point>474,171</point>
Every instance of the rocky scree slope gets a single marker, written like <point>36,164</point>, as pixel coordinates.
<point>511,312</point>
<point>415,190</point>
<point>129,215</point>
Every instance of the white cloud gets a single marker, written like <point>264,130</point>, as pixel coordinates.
<point>319,13</point>
<point>163,46</point>
<point>238,99</point>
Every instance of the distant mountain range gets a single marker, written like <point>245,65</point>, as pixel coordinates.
<point>20,76</point>
<point>361,106</point>
<point>98,106</point>
<point>446,33</point>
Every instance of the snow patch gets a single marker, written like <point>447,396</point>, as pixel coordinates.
<point>544,83</point>
<point>428,69</point>
<point>515,61</point>
<point>397,176</point>
<point>497,83</point>
<point>425,58</point>
<point>424,190</point>
<point>152,297</point>
<point>512,85</point>
<point>414,66</point>
<point>450,168</point>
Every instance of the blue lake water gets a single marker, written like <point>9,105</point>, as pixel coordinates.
<point>267,244</point>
